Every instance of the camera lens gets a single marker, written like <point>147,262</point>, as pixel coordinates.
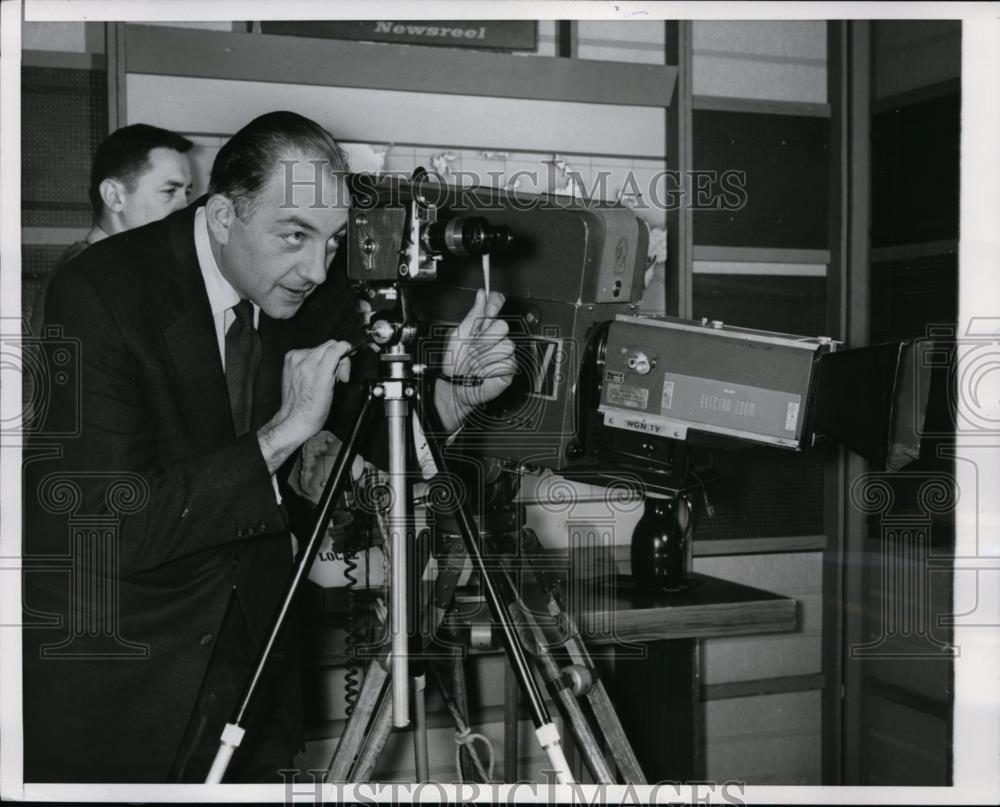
<point>467,236</point>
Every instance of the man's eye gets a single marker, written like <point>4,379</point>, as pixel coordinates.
<point>294,239</point>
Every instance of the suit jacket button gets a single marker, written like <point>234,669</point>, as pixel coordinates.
<point>205,640</point>
<point>239,533</point>
<point>250,530</point>
<point>262,526</point>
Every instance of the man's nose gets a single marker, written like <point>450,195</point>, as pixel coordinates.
<point>314,269</point>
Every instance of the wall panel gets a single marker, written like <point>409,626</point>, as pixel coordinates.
<point>213,106</point>
<point>910,54</point>
<point>777,60</point>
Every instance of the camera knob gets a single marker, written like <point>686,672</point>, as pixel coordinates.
<point>639,362</point>
<point>381,331</point>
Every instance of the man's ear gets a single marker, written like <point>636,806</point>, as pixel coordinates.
<point>112,194</point>
<point>220,214</point>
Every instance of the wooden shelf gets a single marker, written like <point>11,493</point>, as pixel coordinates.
<point>712,607</point>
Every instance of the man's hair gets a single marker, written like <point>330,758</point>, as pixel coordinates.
<point>124,155</point>
<point>244,164</point>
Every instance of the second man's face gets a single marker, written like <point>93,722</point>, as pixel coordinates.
<point>279,253</point>
<point>162,189</point>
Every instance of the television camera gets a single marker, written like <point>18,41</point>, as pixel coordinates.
<point>604,394</point>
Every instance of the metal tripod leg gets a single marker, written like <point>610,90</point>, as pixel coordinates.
<point>232,734</point>
<point>545,730</point>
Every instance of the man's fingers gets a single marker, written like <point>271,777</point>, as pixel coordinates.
<point>344,371</point>
<point>500,367</point>
<point>293,358</point>
<point>472,320</point>
<point>494,329</point>
<point>491,366</point>
<point>330,357</point>
<point>494,352</point>
<point>504,348</point>
<point>493,333</point>
<point>493,304</point>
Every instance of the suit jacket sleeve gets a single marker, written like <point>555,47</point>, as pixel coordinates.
<point>193,502</point>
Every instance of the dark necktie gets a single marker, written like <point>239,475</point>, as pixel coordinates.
<point>242,361</point>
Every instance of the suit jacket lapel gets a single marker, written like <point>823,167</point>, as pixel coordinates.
<point>191,340</point>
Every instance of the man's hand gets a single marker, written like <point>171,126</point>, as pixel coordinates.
<point>307,382</point>
<point>477,347</point>
<point>316,460</point>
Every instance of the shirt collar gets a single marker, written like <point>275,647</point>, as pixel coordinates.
<point>96,233</point>
<point>221,294</point>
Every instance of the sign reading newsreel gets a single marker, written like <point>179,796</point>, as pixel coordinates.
<point>493,34</point>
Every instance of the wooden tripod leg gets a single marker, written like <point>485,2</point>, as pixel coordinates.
<point>604,712</point>
<point>461,726</point>
<point>460,696</point>
<point>597,695</point>
<point>573,644</point>
<point>370,723</point>
<point>621,748</point>
<point>510,723</point>
<point>374,742</point>
<point>352,741</point>
<point>582,733</point>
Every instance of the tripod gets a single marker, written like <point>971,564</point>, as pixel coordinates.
<point>398,390</point>
<point>556,648</point>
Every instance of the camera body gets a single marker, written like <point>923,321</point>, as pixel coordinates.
<point>570,267</point>
<point>667,376</point>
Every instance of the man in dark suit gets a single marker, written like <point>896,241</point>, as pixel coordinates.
<point>212,346</point>
<point>140,173</point>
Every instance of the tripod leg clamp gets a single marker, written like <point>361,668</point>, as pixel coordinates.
<point>232,735</point>
<point>548,738</point>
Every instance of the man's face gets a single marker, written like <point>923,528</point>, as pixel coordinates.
<point>280,251</point>
<point>162,189</point>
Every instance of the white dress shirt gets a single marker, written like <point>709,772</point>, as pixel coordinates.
<point>221,296</point>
